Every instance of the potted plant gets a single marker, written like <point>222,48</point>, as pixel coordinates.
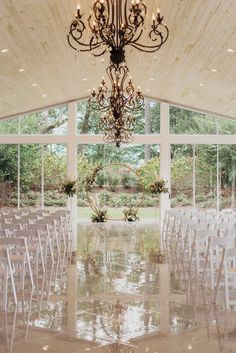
<point>69,187</point>
<point>100,215</point>
<point>131,214</point>
<point>158,187</point>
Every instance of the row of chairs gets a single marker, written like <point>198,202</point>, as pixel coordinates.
<point>201,250</point>
<point>35,249</point>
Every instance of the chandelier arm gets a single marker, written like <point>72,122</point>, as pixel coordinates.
<point>80,43</point>
<point>89,45</point>
<point>112,9</point>
<point>159,33</point>
<point>125,74</point>
<point>147,48</point>
<point>126,17</point>
<point>131,40</point>
<point>98,104</point>
<point>108,39</point>
<point>117,23</point>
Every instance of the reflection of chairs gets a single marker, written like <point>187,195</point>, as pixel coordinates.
<point>11,228</point>
<point>20,260</point>
<point>8,327</point>
<point>35,252</point>
<point>6,276</point>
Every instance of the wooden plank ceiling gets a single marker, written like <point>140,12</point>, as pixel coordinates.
<point>194,68</point>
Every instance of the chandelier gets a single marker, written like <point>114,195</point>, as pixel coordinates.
<point>117,105</point>
<point>114,25</point>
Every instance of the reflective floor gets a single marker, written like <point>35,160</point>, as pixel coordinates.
<point>116,298</point>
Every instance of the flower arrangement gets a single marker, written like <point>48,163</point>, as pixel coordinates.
<point>158,187</point>
<point>100,216</point>
<point>69,187</point>
<point>131,214</point>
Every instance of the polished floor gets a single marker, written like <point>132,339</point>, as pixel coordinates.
<point>117,298</point>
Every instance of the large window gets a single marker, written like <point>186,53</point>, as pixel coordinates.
<point>53,121</point>
<point>226,180</point>
<point>147,121</point>
<point>181,175</point>
<point>54,157</point>
<point>206,176</point>
<point>33,159</point>
<point>117,186</point>
<point>31,175</point>
<point>8,175</point>
<point>189,122</point>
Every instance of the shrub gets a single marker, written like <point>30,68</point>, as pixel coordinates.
<point>105,198</point>
<point>101,179</point>
<point>113,181</point>
<point>128,181</point>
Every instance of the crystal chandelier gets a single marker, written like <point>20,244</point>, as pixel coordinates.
<point>114,25</point>
<point>117,105</point>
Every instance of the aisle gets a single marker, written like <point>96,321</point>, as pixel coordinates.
<point>118,299</point>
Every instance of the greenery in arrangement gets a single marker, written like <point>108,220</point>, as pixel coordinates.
<point>131,214</point>
<point>91,177</point>
<point>158,187</point>
<point>69,187</point>
<point>101,215</point>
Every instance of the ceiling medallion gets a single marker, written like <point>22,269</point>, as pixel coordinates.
<point>114,25</point>
<point>117,105</point>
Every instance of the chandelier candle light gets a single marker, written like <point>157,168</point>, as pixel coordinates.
<point>114,25</point>
<point>118,106</point>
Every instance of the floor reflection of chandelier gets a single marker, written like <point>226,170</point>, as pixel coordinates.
<point>117,106</point>
<point>117,347</point>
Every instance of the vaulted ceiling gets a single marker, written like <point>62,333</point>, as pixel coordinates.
<point>195,68</point>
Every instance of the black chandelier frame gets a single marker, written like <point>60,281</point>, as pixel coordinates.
<point>117,105</point>
<point>114,25</point>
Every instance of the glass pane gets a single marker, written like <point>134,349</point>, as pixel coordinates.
<point>147,120</point>
<point>181,175</point>
<point>9,127</point>
<point>30,175</point>
<point>226,127</point>
<point>54,174</point>
<point>8,175</point>
<point>117,186</point>
<point>206,176</point>
<point>184,121</point>
<point>52,121</point>
<point>227,165</point>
